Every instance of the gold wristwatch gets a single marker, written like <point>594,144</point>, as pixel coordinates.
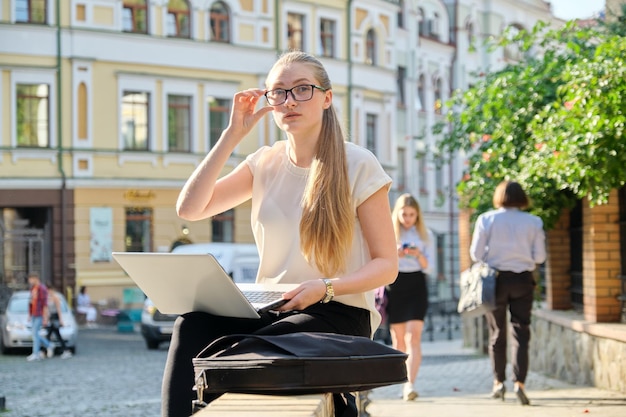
<point>330,292</point>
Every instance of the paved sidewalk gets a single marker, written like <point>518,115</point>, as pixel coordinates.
<point>454,381</point>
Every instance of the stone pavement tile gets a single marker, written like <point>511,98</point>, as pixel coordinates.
<point>454,381</point>
<point>567,402</point>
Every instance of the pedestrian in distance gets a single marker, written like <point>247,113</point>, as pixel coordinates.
<point>38,315</point>
<point>407,301</point>
<point>513,242</point>
<point>320,218</point>
<point>55,322</point>
<point>84,306</point>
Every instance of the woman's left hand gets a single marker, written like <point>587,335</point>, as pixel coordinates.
<point>305,295</point>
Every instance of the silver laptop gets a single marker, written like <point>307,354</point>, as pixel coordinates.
<point>178,283</point>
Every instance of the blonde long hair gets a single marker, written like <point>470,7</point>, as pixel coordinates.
<point>327,224</point>
<point>407,200</point>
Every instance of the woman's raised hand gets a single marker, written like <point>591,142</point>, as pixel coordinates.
<point>244,115</point>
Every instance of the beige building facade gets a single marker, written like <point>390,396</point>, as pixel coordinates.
<point>106,107</point>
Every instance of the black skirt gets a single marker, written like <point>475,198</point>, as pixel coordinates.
<point>407,297</point>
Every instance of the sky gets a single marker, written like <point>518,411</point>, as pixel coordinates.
<point>572,9</point>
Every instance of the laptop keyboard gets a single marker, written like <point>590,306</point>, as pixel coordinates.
<point>262,297</point>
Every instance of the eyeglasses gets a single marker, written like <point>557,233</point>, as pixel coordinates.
<point>299,93</point>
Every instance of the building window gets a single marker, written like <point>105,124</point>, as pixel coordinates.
<point>138,229</point>
<point>370,48</point>
<point>31,11</point>
<point>82,107</point>
<point>371,122</point>
<point>178,22</point>
<point>435,29</point>
<point>220,22</point>
<point>470,36</point>
<point>513,50</point>
<point>422,23</point>
<point>223,227</point>
<point>179,123</point>
<point>438,99</point>
<point>219,114</point>
<point>295,30</point>
<point>135,16</point>
<point>135,128</point>
<point>401,14</point>
<point>33,115</point>
<point>327,37</point>
<point>401,77</point>
<point>421,94</point>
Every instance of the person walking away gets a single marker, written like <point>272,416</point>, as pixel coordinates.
<point>55,322</point>
<point>320,218</point>
<point>38,315</point>
<point>84,306</point>
<point>513,242</point>
<point>408,295</point>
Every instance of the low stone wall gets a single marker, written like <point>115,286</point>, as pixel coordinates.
<point>565,346</point>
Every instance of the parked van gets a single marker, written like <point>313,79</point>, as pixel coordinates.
<point>239,260</point>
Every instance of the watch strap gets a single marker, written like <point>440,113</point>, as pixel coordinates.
<point>330,291</point>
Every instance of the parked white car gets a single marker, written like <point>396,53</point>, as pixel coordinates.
<point>239,260</point>
<point>15,326</point>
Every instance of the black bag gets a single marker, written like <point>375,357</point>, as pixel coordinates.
<point>296,363</point>
<point>478,290</point>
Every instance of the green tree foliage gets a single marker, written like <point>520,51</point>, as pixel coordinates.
<point>554,122</point>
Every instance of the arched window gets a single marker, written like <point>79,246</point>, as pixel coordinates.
<point>370,47</point>
<point>220,22</point>
<point>178,19</point>
<point>135,16</point>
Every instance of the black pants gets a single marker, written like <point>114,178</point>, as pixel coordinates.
<point>515,291</point>
<point>194,331</point>
<point>53,329</point>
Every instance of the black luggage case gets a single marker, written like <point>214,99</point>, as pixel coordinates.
<point>297,363</point>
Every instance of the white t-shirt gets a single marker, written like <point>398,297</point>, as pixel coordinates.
<point>410,263</point>
<point>277,190</point>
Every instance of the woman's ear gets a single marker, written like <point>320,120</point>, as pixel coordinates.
<point>328,100</point>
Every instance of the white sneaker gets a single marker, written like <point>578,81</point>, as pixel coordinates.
<point>33,357</point>
<point>50,350</point>
<point>66,354</point>
<point>408,392</point>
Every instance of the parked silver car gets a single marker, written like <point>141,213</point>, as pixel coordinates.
<point>15,331</point>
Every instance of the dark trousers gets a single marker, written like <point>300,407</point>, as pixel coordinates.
<point>194,331</point>
<point>53,329</point>
<point>515,291</point>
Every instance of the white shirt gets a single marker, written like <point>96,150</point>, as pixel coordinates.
<point>410,263</point>
<point>509,240</point>
<point>277,190</point>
